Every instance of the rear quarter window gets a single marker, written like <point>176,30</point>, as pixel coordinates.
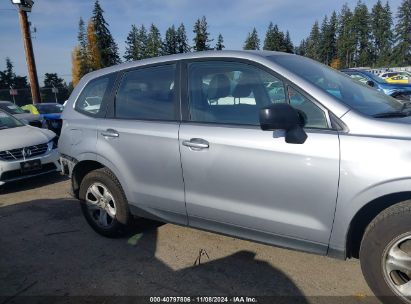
<point>92,100</point>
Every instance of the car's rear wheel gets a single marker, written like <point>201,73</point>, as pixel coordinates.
<point>385,254</point>
<point>104,204</point>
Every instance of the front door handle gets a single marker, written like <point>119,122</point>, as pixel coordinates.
<point>110,133</point>
<point>196,143</point>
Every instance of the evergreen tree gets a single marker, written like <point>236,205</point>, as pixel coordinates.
<point>402,49</point>
<point>7,76</point>
<point>252,42</point>
<point>328,48</point>
<point>313,43</point>
<point>170,41</point>
<point>346,39</point>
<point>302,48</point>
<point>82,53</point>
<point>201,38</point>
<point>220,46</point>
<point>154,46</point>
<point>289,46</point>
<point>142,42</point>
<point>53,80</point>
<point>182,40</point>
<point>274,39</point>
<point>381,27</point>
<point>362,32</point>
<point>132,45</point>
<point>106,45</point>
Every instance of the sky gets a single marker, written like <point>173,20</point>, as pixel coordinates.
<point>56,23</point>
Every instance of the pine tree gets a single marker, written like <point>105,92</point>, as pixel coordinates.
<point>402,49</point>
<point>142,42</point>
<point>302,48</point>
<point>52,80</point>
<point>252,42</point>
<point>201,38</point>
<point>7,76</point>
<point>93,50</point>
<point>75,66</point>
<point>107,47</point>
<point>328,39</point>
<point>362,32</point>
<point>381,27</point>
<point>313,43</point>
<point>289,46</point>
<point>346,39</point>
<point>154,44</point>
<point>274,39</point>
<point>132,45</point>
<point>220,43</point>
<point>182,40</point>
<point>83,59</point>
<point>170,41</point>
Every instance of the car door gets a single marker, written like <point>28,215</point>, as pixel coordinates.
<point>243,181</point>
<point>140,139</point>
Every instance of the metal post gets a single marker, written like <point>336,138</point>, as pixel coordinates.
<point>31,64</point>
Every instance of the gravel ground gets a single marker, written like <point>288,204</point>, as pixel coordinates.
<point>47,249</point>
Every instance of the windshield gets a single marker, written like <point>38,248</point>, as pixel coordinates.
<point>11,108</point>
<point>7,121</point>
<point>354,94</point>
<point>49,108</point>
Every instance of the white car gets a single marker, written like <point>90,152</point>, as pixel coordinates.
<point>25,151</point>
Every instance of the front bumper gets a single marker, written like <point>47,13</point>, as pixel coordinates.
<point>11,171</point>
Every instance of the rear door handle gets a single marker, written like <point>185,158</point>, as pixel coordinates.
<point>196,143</point>
<point>110,133</point>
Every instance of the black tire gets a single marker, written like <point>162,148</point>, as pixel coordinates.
<point>391,224</point>
<point>121,222</point>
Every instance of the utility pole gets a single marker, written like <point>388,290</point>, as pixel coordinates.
<point>24,6</point>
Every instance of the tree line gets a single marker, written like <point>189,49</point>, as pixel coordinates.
<point>9,80</point>
<point>97,49</point>
<point>362,36</point>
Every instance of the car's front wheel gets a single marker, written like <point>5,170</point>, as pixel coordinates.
<point>385,254</point>
<point>104,203</point>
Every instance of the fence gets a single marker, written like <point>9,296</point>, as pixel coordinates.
<point>23,96</point>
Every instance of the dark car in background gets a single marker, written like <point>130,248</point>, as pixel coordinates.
<point>32,119</point>
<point>50,112</point>
<point>391,89</point>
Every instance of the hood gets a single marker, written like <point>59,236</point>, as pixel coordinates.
<point>27,116</point>
<point>25,136</point>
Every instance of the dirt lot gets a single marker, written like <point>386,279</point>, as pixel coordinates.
<point>47,248</point>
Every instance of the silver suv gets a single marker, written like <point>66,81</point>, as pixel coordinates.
<point>265,146</point>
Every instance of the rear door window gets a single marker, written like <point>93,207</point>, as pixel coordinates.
<point>147,94</point>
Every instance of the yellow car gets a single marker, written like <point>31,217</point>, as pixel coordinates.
<point>398,79</point>
<point>31,108</point>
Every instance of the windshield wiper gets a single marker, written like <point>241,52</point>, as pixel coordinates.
<point>391,114</point>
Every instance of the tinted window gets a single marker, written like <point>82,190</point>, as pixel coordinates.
<point>11,108</point>
<point>92,97</point>
<point>228,92</point>
<point>352,93</point>
<point>147,93</point>
<point>8,121</point>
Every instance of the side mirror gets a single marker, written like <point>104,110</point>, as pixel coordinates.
<point>371,83</point>
<point>282,116</point>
